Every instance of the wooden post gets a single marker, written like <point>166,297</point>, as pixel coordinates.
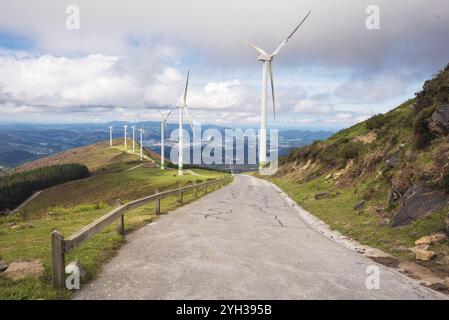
<point>195,193</point>
<point>58,260</point>
<point>121,224</point>
<point>157,206</point>
<point>180,197</point>
<point>206,189</point>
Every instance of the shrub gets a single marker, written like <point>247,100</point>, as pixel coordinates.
<point>375,122</point>
<point>421,135</point>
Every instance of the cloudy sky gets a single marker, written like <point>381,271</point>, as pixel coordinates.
<point>129,58</point>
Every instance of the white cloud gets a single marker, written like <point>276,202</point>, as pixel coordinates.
<point>218,95</point>
<point>307,106</point>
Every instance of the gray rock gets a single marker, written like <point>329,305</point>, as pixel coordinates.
<point>394,160</point>
<point>360,205</point>
<point>439,121</point>
<point>3,265</point>
<point>322,195</point>
<point>419,201</point>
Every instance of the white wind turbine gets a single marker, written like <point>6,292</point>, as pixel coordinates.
<point>141,144</point>
<point>163,124</point>
<point>182,108</point>
<point>266,60</point>
<point>134,138</point>
<point>110,136</point>
<point>125,135</point>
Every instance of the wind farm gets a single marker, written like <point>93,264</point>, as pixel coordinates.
<point>139,159</point>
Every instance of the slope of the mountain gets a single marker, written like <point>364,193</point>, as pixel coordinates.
<point>118,177</point>
<point>95,156</point>
<point>384,181</point>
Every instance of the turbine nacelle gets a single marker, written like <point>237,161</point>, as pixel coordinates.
<point>264,57</point>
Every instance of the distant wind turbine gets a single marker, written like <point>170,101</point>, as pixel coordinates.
<point>110,136</point>
<point>134,139</point>
<point>125,135</point>
<point>182,108</point>
<point>141,144</point>
<point>266,60</point>
<point>163,124</point>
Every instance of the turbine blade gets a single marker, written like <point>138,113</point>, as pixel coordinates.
<point>278,49</point>
<point>259,50</point>
<point>272,90</point>
<point>187,85</point>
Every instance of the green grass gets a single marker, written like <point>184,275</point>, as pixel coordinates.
<point>364,226</point>
<point>71,206</point>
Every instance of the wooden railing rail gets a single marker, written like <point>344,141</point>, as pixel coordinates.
<point>61,246</point>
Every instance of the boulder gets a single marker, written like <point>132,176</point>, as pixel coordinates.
<point>424,255</point>
<point>424,247</point>
<point>322,195</point>
<point>433,239</point>
<point>394,160</point>
<point>439,121</point>
<point>3,265</point>
<point>360,205</point>
<point>423,241</point>
<point>22,269</point>
<point>419,201</point>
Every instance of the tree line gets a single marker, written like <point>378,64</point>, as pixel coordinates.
<point>16,188</point>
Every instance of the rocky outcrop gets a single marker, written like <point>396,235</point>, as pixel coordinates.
<point>22,269</point>
<point>360,205</point>
<point>439,121</point>
<point>419,201</point>
<point>393,160</point>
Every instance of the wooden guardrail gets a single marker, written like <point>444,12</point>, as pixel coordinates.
<point>61,246</point>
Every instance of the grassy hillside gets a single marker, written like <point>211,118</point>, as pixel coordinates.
<point>70,206</point>
<point>382,164</point>
<point>96,157</point>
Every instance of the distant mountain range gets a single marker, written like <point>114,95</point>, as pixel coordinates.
<point>20,143</point>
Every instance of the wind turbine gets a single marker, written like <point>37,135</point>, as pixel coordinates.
<point>163,123</point>
<point>182,108</point>
<point>110,136</point>
<point>141,144</point>
<point>266,60</point>
<point>125,135</point>
<point>134,139</point>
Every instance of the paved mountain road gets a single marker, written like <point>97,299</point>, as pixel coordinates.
<point>243,241</point>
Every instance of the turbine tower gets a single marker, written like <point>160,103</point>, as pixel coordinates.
<point>141,144</point>
<point>125,135</point>
<point>266,60</point>
<point>182,108</point>
<point>110,136</point>
<point>163,124</point>
<point>134,139</point>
